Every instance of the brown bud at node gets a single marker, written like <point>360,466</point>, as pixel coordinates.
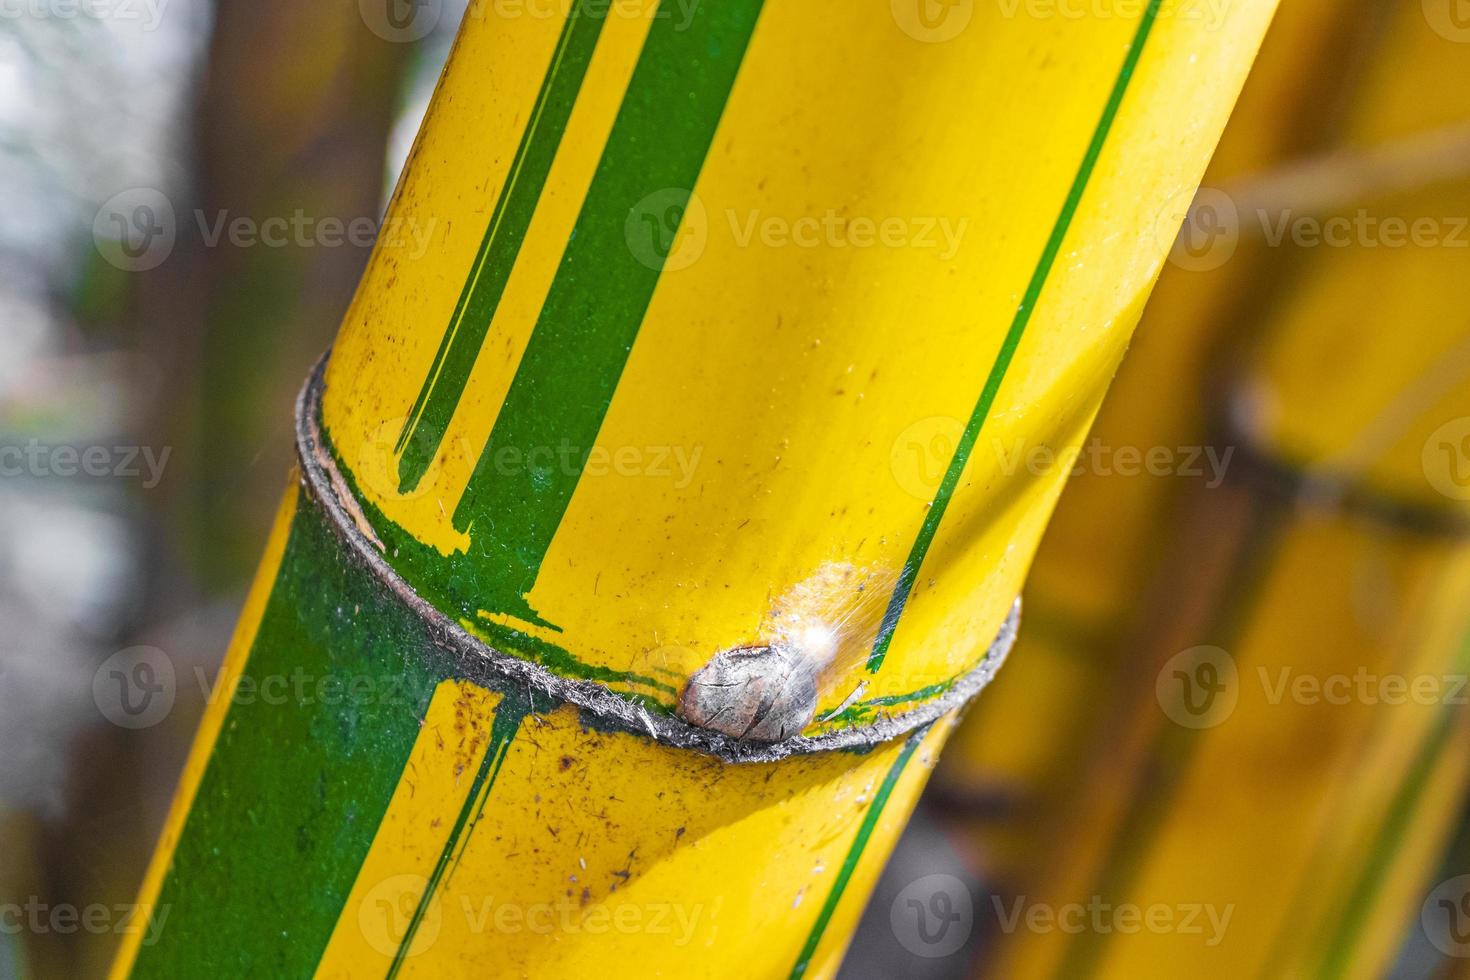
<point>758,694</point>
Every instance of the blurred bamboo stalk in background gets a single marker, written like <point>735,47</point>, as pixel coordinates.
<point>619,693</point>
<point>292,118</point>
<point>1011,763</point>
<point>290,131</point>
<point>24,952</point>
<point>1437,946</point>
<point>1334,551</point>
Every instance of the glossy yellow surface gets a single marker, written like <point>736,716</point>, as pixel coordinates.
<point>816,388</point>
<point>607,853</point>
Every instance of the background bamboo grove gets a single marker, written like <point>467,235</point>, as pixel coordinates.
<point>671,330</point>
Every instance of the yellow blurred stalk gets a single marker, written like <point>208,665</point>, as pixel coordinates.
<point>1436,945</point>
<point>1280,744</point>
<point>1010,761</point>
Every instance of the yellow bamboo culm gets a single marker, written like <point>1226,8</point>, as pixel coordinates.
<point>672,477</point>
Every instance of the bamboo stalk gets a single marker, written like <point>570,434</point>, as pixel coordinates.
<point>648,719</point>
